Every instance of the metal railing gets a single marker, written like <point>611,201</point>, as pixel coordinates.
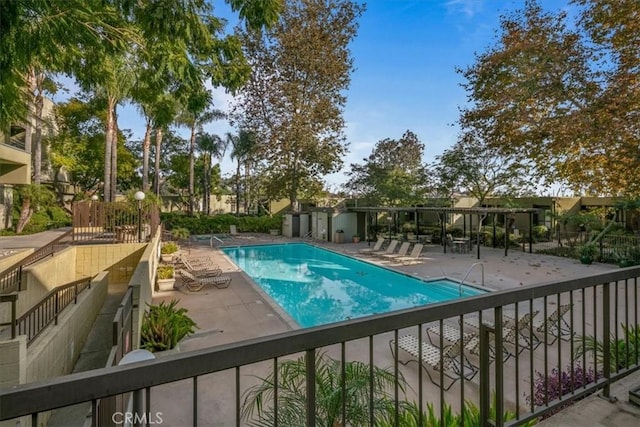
<point>11,278</point>
<point>122,333</point>
<point>526,356</point>
<point>35,320</point>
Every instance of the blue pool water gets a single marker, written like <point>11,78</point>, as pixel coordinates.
<point>316,286</point>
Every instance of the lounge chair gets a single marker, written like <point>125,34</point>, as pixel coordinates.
<point>375,248</point>
<point>195,283</point>
<point>413,257</point>
<point>404,248</point>
<point>390,249</point>
<point>471,340</point>
<point>556,325</point>
<point>200,270</point>
<point>450,357</point>
<point>513,332</point>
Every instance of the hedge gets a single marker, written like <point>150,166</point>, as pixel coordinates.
<point>203,224</point>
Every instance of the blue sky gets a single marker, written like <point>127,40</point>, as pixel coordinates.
<point>405,56</point>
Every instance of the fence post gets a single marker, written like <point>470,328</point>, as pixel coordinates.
<point>485,389</point>
<point>12,297</point>
<point>75,293</point>
<point>19,286</point>
<point>311,387</point>
<point>55,306</point>
<point>606,338</point>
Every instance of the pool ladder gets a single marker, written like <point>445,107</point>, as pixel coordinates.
<point>469,272</point>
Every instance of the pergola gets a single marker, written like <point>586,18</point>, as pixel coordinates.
<point>467,213</point>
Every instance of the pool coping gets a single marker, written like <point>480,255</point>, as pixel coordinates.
<point>286,317</point>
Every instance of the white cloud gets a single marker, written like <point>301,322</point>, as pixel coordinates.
<point>466,7</point>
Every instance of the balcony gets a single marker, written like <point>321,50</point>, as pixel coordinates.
<point>15,162</point>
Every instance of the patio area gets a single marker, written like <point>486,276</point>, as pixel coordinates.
<point>242,311</point>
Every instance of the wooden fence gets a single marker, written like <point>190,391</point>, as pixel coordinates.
<point>113,222</point>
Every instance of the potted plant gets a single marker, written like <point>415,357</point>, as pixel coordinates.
<point>587,252</point>
<point>164,325</point>
<point>356,238</point>
<point>165,277</point>
<point>167,250</point>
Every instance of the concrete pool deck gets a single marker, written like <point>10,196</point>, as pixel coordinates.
<point>241,312</point>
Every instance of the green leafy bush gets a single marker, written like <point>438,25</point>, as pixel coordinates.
<point>164,325</point>
<point>168,248</point>
<point>203,224</point>
<point>165,272</point>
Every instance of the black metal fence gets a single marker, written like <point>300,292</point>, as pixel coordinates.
<point>522,346</point>
<point>35,320</point>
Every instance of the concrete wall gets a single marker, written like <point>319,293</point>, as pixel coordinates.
<point>42,277</point>
<point>15,256</point>
<point>347,222</point>
<point>143,282</point>
<point>119,260</point>
<point>13,370</point>
<point>55,352</point>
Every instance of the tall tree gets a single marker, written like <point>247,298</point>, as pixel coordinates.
<point>393,174</point>
<point>77,149</point>
<point>195,113</point>
<point>295,97</point>
<point>212,147</point>
<point>610,162</point>
<point>480,170</point>
<point>242,147</point>
<point>57,36</point>
<point>527,94</point>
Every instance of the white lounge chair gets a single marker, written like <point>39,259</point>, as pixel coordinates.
<point>413,257</point>
<point>195,283</point>
<point>375,248</point>
<point>431,356</point>
<point>404,248</point>
<point>556,325</point>
<point>390,249</point>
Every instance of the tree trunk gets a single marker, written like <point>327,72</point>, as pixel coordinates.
<point>247,205</point>
<point>238,189</point>
<point>146,148</point>
<point>207,184</point>
<point>31,109</point>
<point>156,183</point>
<point>25,214</point>
<point>192,148</point>
<point>37,143</point>
<point>107,151</point>
<point>114,154</point>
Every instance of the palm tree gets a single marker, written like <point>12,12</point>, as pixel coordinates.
<point>291,386</point>
<point>196,113</point>
<point>211,146</point>
<point>242,147</point>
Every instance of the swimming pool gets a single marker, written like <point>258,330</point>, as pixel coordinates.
<point>316,287</point>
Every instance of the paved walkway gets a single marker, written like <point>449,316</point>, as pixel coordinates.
<point>31,240</point>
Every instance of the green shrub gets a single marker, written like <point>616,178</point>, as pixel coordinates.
<point>165,272</point>
<point>164,325</point>
<point>203,224</point>
<point>168,248</point>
